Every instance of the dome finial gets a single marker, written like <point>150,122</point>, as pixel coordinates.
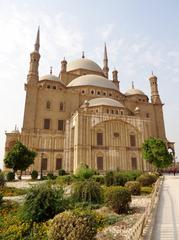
<point>51,70</point>
<point>83,54</point>
<point>132,85</point>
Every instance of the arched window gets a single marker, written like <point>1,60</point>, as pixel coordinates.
<point>44,163</point>
<point>48,105</point>
<point>99,138</point>
<point>132,140</point>
<point>99,163</point>
<point>134,163</point>
<point>58,163</point>
<point>61,106</point>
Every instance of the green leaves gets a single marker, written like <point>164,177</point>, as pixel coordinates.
<point>154,150</point>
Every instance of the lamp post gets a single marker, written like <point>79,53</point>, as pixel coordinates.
<point>41,170</point>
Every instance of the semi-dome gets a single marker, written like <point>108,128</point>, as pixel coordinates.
<point>92,80</point>
<point>134,91</point>
<point>83,63</point>
<point>104,101</point>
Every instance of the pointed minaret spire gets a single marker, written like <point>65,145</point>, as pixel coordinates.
<point>33,75</point>
<point>37,42</point>
<point>51,70</point>
<point>105,52</point>
<point>83,54</point>
<point>132,85</point>
<point>105,62</point>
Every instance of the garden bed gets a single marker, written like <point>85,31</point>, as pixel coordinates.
<point>124,222</point>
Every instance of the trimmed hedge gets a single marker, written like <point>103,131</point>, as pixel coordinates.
<point>62,172</point>
<point>73,225</point>
<point>147,179</point>
<point>34,174</point>
<point>118,198</point>
<point>134,187</point>
<point>146,190</point>
<point>50,176</point>
<point>10,176</point>
<point>117,178</point>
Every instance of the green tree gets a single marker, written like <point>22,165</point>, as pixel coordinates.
<point>154,150</point>
<point>19,158</point>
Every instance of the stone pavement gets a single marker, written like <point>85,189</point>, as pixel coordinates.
<point>167,217</point>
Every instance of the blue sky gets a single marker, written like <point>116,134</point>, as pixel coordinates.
<point>141,36</point>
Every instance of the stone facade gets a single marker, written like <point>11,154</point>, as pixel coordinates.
<point>81,116</point>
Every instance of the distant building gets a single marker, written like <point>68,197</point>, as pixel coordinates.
<point>81,116</point>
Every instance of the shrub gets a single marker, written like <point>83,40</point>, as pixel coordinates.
<point>62,172</point>
<point>12,191</point>
<point>132,175</point>
<point>98,178</point>
<point>153,177</point>
<point>2,180</point>
<point>134,187</point>
<point>147,179</point>
<point>84,172</point>
<point>50,176</point>
<point>73,225</point>
<point>118,198</point>
<point>109,178</point>
<point>146,190</point>
<point>87,191</point>
<point>10,176</point>
<point>120,178</point>
<point>34,174</point>
<point>43,202</point>
<point>1,196</point>
<point>66,179</point>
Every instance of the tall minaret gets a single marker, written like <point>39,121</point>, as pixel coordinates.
<point>155,97</point>
<point>31,88</point>
<point>115,78</point>
<point>33,75</point>
<point>105,62</point>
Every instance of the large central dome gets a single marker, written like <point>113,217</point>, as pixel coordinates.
<point>92,80</point>
<point>83,63</point>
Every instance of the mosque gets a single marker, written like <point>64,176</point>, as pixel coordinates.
<point>81,116</point>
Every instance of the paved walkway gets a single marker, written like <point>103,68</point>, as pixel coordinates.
<point>167,218</point>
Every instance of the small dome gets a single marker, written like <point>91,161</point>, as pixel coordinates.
<point>49,77</point>
<point>92,80</point>
<point>105,101</point>
<point>15,131</point>
<point>134,91</point>
<point>83,63</point>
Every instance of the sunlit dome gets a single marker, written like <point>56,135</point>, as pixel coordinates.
<point>49,77</point>
<point>83,63</point>
<point>104,101</point>
<point>134,91</point>
<point>92,80</point>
